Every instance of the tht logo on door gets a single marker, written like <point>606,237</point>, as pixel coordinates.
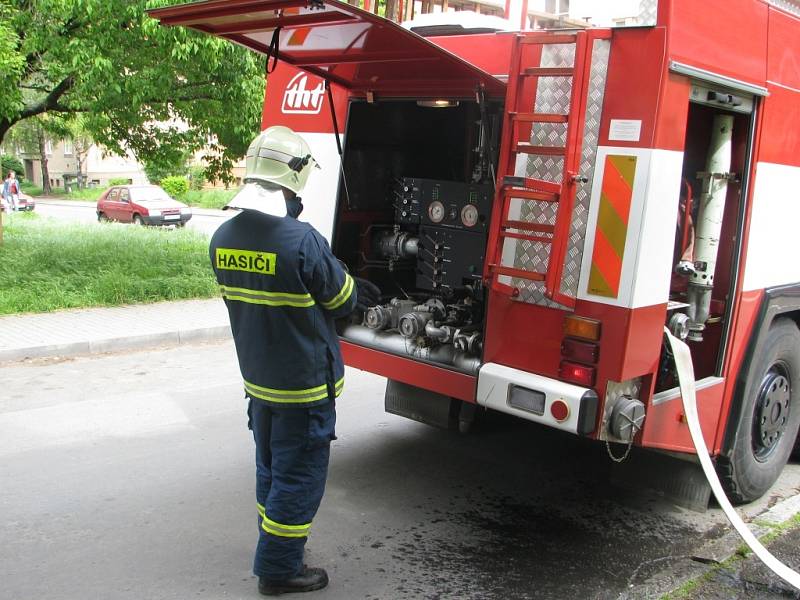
<point>299,99</point>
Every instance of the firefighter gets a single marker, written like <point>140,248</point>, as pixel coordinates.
<point>283,289</point>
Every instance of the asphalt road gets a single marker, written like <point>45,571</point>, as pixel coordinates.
<point>131,476</point>
<point>206,221</point>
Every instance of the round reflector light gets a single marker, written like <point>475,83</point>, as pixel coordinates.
<point>560,410</point>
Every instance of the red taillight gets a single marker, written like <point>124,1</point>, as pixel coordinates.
<point>583,352</point>
<point>575,373</point>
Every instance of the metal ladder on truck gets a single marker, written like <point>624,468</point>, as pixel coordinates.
<point>516,122</point>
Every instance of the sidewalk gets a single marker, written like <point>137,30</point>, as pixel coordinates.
<point>96,330</point>
<point>748,578</point>
<point>723,568</point>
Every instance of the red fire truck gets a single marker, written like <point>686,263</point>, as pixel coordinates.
<point>537,206</point>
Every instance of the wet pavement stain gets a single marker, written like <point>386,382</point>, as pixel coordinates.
<point>501,549</point>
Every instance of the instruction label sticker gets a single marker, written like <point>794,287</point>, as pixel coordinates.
<point>625,130</point>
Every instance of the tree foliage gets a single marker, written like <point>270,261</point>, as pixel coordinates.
<point>158,91</point>
<point>172,161</point>
<point>11,163</point>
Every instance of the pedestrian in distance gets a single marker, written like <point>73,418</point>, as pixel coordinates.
<point>11,191</point>
<point>284,289</point>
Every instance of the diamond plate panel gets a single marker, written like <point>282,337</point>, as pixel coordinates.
<point>591,136</point>
<point>648,12</point>
<point>553,95</point>
<point>792,6</point>
<point>550,98</point>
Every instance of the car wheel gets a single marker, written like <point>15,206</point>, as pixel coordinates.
<point>769,420</point>
<point>137,220</point>
<point>102,218</point>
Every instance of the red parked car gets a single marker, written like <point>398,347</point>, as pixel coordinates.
<point>142,205</point>
<point>25,202</point>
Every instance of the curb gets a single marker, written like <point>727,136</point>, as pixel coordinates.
<point>711,554</point>
<point>135,342</point>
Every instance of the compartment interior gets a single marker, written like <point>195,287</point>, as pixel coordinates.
<point>412,217</point>
<point>706,352</point>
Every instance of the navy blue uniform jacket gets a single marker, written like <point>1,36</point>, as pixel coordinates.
<point>283,288</point>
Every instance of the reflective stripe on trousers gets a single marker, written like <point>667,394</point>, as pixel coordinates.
<point>279,529</point>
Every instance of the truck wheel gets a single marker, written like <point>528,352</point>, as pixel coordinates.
<point>102,218</point>
<point>137,220</point>
<point>770,417</point>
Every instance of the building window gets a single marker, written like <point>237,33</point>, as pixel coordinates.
<point>67,147</point>
<point>48,147</point>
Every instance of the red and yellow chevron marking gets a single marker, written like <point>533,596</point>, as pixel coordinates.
<point>298,36</point>
<point>612,225</point>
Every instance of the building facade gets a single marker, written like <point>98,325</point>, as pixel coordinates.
<point>97,165</point>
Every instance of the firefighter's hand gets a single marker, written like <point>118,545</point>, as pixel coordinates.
<point>369,294</point>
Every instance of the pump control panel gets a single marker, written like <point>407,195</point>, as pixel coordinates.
<point>443,203</point>
<point>449,259</point>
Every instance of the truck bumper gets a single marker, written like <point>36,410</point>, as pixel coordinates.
<point>540,399</point>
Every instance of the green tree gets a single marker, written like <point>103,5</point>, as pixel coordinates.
<point>11,163</point>
<point>154,90</point>
<point>168,163</point>
<point>32,136</point>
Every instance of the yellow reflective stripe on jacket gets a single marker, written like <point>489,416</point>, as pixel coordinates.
<point>342,296</point>
<point>266,298</point>
<point>292,396</point>
<point>279,529</point>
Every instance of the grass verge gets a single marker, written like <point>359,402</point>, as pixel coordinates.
<point>85,194</point>
<point>208,198</point>
<point>687,590</point>
<point>46,265</point>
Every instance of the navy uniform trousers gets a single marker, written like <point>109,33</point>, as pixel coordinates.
<point>292,451</point>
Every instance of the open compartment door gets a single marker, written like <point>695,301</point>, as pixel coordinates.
<point>348,46</point>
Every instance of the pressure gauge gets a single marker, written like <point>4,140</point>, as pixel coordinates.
<point>436,211</point>
<point>469,215</point>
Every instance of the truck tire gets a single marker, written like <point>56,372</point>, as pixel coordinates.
<point>137,220</point>
<point>770,417</point>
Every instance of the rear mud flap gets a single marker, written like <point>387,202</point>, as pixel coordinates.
<point>422,405</point>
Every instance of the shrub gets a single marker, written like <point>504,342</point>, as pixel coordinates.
<point>197,177</point>
<point>12,163</point>
<point>119,181</point>
<point>208,198</point>
<point>166,165</point>
<point>31,189</point>
<point>175,186</point>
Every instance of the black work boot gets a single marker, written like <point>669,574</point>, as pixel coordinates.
<point>307,581</point>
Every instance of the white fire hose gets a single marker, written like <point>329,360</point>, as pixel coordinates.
<point>683,364</point>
